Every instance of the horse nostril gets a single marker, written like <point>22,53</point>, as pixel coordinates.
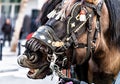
<point>32,57</point>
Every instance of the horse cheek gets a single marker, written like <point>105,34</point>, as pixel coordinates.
<point>80,54</point>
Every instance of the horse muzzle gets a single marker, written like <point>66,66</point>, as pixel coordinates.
<point>28,59</point>
<point>34,72</point>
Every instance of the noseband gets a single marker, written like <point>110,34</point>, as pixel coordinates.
<point>75,25</point>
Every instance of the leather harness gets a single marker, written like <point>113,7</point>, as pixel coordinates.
<point>71,37</point>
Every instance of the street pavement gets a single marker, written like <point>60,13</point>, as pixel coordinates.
<point>12,73</point>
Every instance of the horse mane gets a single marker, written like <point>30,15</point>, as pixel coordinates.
<point>47,8</point>
<point>114,27</point>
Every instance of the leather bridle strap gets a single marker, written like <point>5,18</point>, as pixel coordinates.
<point>90,49</point>
<point>89,39</point>
<point>97,8</point>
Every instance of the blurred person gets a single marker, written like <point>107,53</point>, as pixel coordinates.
<point>26,27</point>
<point>21,33</point>
<point>7,30</point>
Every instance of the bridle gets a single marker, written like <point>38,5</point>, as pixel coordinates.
<point>71,37</point>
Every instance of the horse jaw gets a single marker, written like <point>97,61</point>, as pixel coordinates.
<point>39,73</point>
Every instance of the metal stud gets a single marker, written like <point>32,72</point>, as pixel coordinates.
<point>42,37</point>
<point>72,24</point>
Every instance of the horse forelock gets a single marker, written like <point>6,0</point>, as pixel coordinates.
<point>114,27</point>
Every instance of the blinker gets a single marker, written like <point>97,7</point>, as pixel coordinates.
<point>47,36</point>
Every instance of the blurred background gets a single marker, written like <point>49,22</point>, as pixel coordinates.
<point>10,9</point>
<point>19,16</point>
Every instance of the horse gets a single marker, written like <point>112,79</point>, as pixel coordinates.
<point>90,38</point>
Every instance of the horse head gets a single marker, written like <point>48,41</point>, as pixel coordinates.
<point>61,35</point>
<point>86,31</point>
<point>39,62</point>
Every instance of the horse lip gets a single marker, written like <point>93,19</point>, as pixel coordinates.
<point>34,73</point>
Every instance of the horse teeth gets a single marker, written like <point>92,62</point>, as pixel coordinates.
<point>36,70</point>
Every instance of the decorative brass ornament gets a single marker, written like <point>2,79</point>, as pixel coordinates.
<point>78,17</point>
<point>57,44</point>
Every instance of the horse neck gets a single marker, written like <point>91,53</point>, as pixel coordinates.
<point>104,25</point>
<point>106,53</point>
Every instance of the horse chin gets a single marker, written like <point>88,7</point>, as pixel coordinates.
<point>40,73</point>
